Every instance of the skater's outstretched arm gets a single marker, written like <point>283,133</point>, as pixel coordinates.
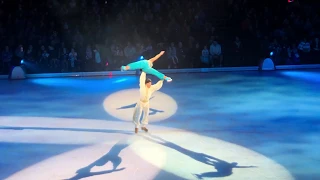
<point>157,56</point>
<point>158,85</point>
<point>142,80</point>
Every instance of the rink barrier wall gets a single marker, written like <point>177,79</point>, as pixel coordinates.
<point>166,71</point>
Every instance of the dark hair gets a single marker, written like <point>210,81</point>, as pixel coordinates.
<point>148,80</point>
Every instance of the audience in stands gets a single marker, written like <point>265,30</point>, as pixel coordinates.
<point>97,35</point>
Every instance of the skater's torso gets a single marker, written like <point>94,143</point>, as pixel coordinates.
<point>145,92</point>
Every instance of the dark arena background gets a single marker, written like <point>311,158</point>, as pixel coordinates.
<point>243,103</point>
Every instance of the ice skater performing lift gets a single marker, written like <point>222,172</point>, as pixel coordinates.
<point>146,89</point>
<point>146,66</point>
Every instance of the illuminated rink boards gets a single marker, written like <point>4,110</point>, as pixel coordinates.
<point>144,157</point>
<point>55,128</point>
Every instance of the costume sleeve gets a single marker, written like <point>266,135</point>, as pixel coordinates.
<point>157,86</point>
<point>142,79</point>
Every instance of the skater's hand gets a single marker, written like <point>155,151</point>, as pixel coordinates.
<point>161,53</point>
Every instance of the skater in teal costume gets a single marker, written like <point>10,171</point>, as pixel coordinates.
<point>146,66</point>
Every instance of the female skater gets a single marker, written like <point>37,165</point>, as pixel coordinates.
<point>146,66</point>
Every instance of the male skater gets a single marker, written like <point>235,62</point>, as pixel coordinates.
<point>146,90</point>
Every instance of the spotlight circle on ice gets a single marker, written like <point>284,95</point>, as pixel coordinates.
<point>160,154</point>
<point>121,105</point>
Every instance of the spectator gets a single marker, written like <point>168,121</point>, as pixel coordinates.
<point>53,56</point>
<point>215,53</point>
<point>305,49</point>
<point>97,58</point>
<point>64,57</point>
<point>73,57</point>
<point>172,56</point>
<point>19,53</point>
<point>30,54</point>
<point>195,60</point>
<point>293,55</point>
<point>89,55</point>
<point>205,57</point>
